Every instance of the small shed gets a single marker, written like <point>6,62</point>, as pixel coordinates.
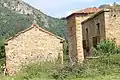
<point>30,45</point>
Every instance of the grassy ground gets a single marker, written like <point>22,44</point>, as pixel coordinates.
<point>104,68</point>
<point>106,77</point>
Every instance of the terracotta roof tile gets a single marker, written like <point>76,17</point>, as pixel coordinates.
<point>89,10</point>
<point>86,11</point>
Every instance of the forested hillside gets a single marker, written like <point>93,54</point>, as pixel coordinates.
<point>16,15</point>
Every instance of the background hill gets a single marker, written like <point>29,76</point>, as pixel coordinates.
<point>16,15</point>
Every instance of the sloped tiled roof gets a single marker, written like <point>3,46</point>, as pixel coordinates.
<point>86,11</point>
<point>96,14</point>
<point>32,26</point>
<point>89,10</point>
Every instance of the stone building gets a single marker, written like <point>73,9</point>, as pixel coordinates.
<point>103,25</point>
<point>86,28</point>
<point>30,45</point>
<point>74,33</point>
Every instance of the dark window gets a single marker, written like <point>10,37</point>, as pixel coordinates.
<point>87,34</point>
<point>98,29</point>
<point>94,41</point>
<point>87,40</point>
<point>98,32</point>
<point>70,28</point>
<point>84,44</point>
<point>114,15</point>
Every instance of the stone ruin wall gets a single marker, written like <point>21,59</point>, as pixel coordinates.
<point>112,26</point>
<point>33,45</point>
<point>91,25</point>
<point>71,35</point>
<point>79,37</point>
<point>74,31</point>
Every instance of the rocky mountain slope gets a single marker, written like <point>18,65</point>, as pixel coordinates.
<point>16,15</point>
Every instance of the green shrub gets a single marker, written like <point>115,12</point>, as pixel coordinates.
<point>106,47</point>
<point>2,54</point>
<point>65,52</point>
<point>2,48</point>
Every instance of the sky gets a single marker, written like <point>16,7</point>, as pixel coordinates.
<point>62,8</point>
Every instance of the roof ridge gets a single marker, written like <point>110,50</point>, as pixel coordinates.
<point>88,10</point>
<point>85,11</point>
<point>32,26</point>
<point>46,31</point>
<point>94,15</point>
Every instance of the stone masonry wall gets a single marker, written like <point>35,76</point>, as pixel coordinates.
<point>74,31</point>
<point>30,46</point>
<point>79,38</point>
<point>112,26</point>
<point>91,25</point>
<point>71,35</point>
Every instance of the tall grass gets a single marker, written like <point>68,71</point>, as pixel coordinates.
<point>95,68</point>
